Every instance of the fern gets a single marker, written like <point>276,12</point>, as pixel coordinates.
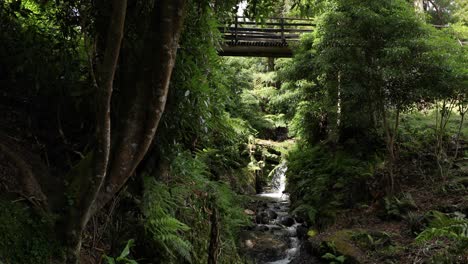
<point>188,200</point>
<point>443,226</point>
<point>163,227</point>
<point>124,255</point>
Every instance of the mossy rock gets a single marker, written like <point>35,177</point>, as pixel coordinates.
<point>339,243</point>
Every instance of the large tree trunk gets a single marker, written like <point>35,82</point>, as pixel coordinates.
<point>89,183</point>
<point>103,172</point>
<point>147,99</point>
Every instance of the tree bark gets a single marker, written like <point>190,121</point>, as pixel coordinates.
<point>147,99</point>
<point>462,111</point>
<point>213,249</point>
<point>89,182</point>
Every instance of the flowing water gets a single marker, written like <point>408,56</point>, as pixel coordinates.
<point>274,238</point>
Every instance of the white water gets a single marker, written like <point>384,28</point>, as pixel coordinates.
<point>277,192</point>
<point>278,184</point>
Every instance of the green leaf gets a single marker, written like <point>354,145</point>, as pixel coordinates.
<point>329,256</point>
<point>341,259</point>
<point>109,260</point>
<point>312,233</point>
<point>126,250</point>
<point>131,261</point>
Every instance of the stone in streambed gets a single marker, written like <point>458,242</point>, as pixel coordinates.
<point>263,247</point>
<point>302,232</point>
<point>271,214</point>
<point>339,242</point>
<point>287,221</point>
<point>262,228</point>
<point>249,212</point>
<point>261,219</point>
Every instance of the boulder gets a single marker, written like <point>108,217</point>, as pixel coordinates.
<point>271,214</point>
<point>287,221</point>
<point>263,247</point>
<point>339,242</point>
<point>249,212</point>
<point>302,231</point>
<point>262,228</point>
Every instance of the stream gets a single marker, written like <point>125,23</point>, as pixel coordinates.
<point>273,239</point>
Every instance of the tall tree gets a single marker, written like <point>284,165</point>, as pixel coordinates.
<point>121,148</point>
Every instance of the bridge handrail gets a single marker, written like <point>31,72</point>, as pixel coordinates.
<point>269,30</point>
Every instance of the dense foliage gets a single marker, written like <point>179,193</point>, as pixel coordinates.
<point>373,100</point>
<point>382,105</point>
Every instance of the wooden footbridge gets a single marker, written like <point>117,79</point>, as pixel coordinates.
<point>270,38</point>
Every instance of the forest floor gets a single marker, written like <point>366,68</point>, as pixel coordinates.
<point>384,233</point>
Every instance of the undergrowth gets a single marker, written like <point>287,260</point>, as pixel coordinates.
<point>178,213</point>
<point>24,237</point>
<point>452,232</point>
<point>321,181</point>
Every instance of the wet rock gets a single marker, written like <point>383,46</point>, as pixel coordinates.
<point>258,219</point>
<point>261,219</point>
<point>249,212</point>
<point>264,247</point>
<point>275,227</point>
<point>249,243</point>
<point>302,232</point>
<point>305,256</point>
<point>272,214</point>
<point>262,228</point>
<point>287,221</point>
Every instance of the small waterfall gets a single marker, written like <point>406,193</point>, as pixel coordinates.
<point>274,237</point>
<point>278,183</point>
<point>280,204</point>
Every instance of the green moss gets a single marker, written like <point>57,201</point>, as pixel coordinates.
<point>341,245</point>
<point>24,238</point>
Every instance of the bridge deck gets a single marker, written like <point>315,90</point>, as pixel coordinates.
<point>270,38</point>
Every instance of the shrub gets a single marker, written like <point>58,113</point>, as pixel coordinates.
<point>24,237</point>
<point>321,180</point>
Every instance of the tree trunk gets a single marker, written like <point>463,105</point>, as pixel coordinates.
<point>271,64</point>
<point>462,112</point>
<point>213,248</point>
<point>103,172</point>
<point>419,5</point>
<point>147,99</point>
<point>338,131</point>
<point>95,165</point>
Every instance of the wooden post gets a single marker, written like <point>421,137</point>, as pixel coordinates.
<point>235,30</point>
<point>282,30</point>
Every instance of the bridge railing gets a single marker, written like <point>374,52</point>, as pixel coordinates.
<point>270,32</point>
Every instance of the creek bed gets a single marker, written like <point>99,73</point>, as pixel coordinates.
<point>273,238</point>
